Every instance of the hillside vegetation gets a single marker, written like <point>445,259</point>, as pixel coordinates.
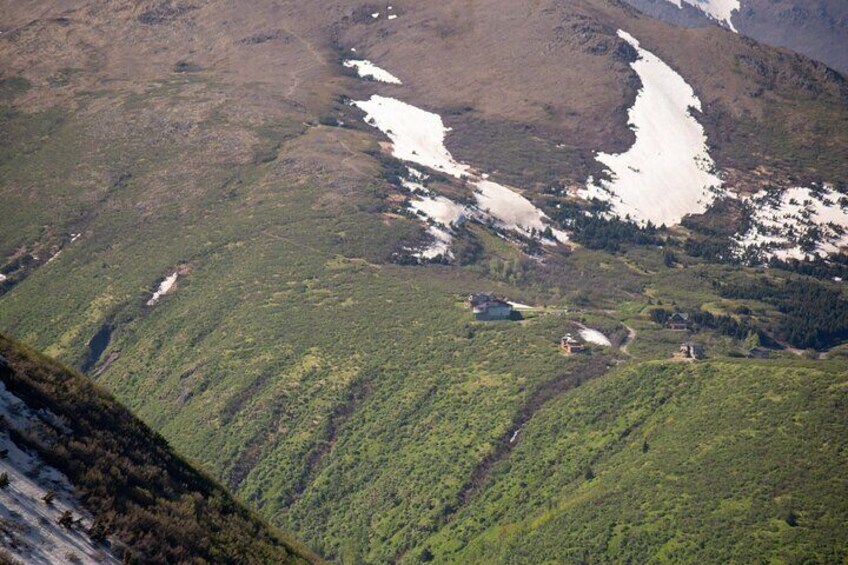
<point>721,462</point>
<point>338,387</point>
<point>146,499</point>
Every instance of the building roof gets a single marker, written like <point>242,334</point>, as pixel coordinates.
<point>486,300</point>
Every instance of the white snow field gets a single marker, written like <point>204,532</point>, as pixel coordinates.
<point>666,174</point>
<point>30,531</point>
<point>796,223</point>
<point>164,288</point>
<point>367,69</point>
<point>719,10</point>
<point>594,336</point>
<point>418,137</point>
<point>511,209</point>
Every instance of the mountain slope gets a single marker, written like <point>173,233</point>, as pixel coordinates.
<point>149,504</point>
<point>706,463</point>
<point>815,28</point>
<point>299,347</point>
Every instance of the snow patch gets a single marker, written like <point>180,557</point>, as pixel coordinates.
<point>667,173</point>
<point>31,532</point>
<point>511,209</point>
<point>441,214</point>
<point>795,224</point>
<point>719,10</point>
<point>418,137</point>
<point>367,69</point>
<point>164,288</point>
<point>596,337</point>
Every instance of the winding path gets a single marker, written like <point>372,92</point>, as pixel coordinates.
<point>631,337</point>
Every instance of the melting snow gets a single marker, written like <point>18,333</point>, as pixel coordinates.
<point>796,223</point>
<point>666,174</point>
<point>441,214</point>
<point>594,336</point>
<point>392,16</point>
<point>515,434</point>
<point>512,209</point>
<point>720,10</point>
<point>31,531</point>
<point>367,69</point>
<point>164,288</point>
<point>418,137</point>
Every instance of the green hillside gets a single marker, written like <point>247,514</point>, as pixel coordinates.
<point>343,391</point>
<point>147,500</point>
<point>720,462</point>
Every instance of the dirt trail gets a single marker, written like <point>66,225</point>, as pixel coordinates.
<point>631,337</point>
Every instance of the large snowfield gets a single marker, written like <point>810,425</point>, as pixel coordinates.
<point>417,136</point>
<point>666,174</point>
<point>30,531</point>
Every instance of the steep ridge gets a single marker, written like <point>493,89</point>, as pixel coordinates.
<point>118,493</point>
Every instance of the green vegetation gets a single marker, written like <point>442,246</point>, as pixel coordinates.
<point>671,463</point>
<point>589,228</point>
<point>344,392</point>
<point>158,508</point>
<point>813,315</point>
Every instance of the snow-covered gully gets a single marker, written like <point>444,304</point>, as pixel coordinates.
<point>719,10</point>
<point>367,69</point>
<point>667,173</point>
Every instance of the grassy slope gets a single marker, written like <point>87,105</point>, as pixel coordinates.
<point>131,481</point>
<point>349,399</point>
<point>691,463</point>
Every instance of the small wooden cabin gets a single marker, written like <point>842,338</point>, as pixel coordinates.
<point>678,321</point>
<point>570,345</point>
<point>486,306</point>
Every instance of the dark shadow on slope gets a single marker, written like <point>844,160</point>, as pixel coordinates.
<point>96,347</point>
